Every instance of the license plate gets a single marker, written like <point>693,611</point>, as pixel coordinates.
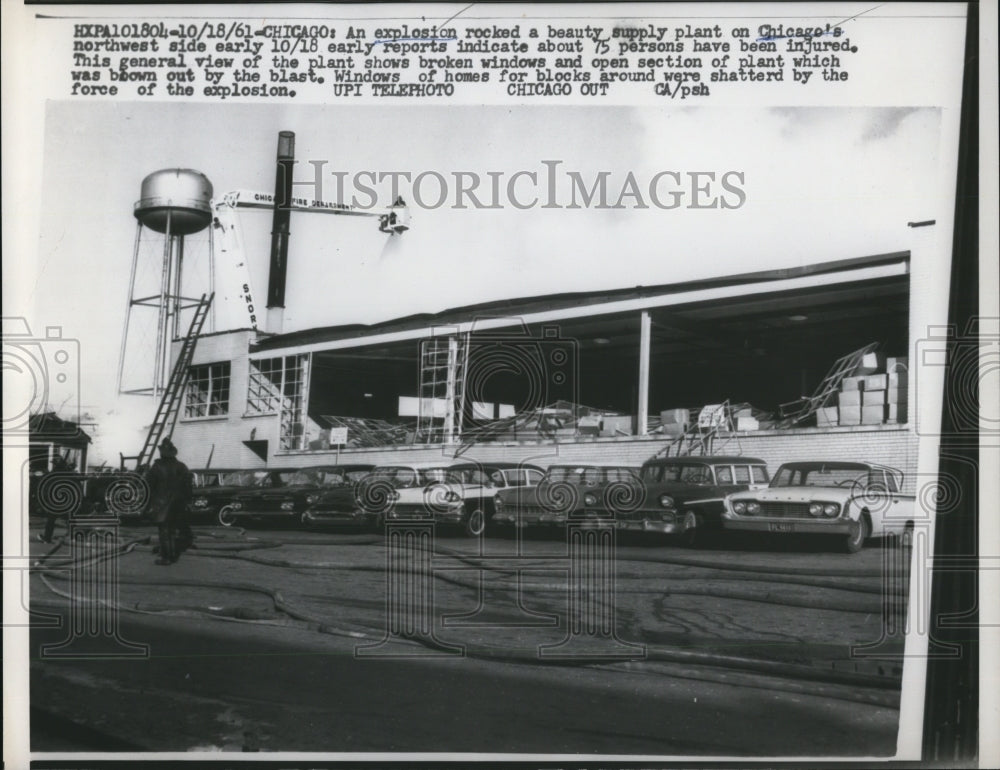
<point>780,526</point>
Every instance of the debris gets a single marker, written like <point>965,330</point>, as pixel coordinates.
<point>368,432</point>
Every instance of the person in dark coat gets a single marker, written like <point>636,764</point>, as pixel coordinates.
<point>169,493</point>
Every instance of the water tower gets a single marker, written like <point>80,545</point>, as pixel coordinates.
<point>174,203</point>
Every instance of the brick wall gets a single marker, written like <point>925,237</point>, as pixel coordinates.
<point>221,438</point>
<point>894,445</point>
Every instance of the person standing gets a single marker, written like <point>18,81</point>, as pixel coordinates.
<point>169,492</point>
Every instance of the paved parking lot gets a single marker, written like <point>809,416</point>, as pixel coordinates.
<point>279,639</point>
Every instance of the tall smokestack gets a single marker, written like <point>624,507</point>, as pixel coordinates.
<point>280,230</point>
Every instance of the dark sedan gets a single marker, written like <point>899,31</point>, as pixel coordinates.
<point>215,488</point>
<point>560,494</point>
<point>296,491</point>
<point>684,496</point>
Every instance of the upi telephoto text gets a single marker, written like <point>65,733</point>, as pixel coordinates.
<point>240,59</point>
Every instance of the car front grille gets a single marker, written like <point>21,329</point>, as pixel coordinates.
<point>263,507</point>
<point>784,510</point>
<point>535,511</point>
<point>417,510</point>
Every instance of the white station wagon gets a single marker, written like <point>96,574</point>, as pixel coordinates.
<point>460,493</point>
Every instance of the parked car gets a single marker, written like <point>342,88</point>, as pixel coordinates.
<point>560,494</point>
<point>682,495</point>
<point>292,491</point>
<point>214,488</point>
<point>850,500</point>
<point>204,478</point>
<point>341,507</point>
<point>460,493</point>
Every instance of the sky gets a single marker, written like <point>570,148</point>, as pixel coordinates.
<point>820,183</point>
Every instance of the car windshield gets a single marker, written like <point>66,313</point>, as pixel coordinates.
<point>439,476</point>
<point>240,479</point>
<point>398,477</point>
<point>336,477</point>
<point>682,473</point>
<point>472,475</point>
<point>296,478</point>
<point>819,476</point>
<point>588,475</point>
<point>320,477</point>
<point>401,476</point>
<point>206,479</point>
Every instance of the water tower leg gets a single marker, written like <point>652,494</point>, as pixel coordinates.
<point>211,275</point>
<point>128,305</point>
<point>179,264</point>
<point>161,321</point>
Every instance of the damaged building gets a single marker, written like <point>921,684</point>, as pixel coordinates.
<point>728,364</point>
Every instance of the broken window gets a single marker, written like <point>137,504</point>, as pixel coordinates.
<point>264,385</point>
<point>207,392</point>
<point>279,386</point>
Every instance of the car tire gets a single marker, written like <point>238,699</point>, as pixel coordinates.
<point>226,518</point>
<point>694,531</point>
<point>475,523</point>
<point>855,539</point>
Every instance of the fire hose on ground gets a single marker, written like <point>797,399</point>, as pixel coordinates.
<point>785,670</point>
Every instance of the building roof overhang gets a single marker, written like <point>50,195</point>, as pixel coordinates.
<point>568,307</point>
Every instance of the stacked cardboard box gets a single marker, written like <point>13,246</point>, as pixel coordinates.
<point>826,416</point>
<point>873,395</point>
<point>871,363</point>
<point>675,421</point>
<point>745,419</point>
<point>873,400</point>
<point>619,425</point>
<point>849,402</point>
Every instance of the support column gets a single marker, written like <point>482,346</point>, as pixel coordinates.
<point>451,390</point>
<point>303,414</point>
<point>645,326</point>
